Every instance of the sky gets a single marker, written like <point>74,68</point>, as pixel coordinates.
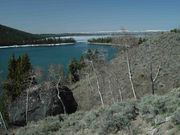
<point>59,16</point>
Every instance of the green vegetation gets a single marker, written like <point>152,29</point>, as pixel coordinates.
<point>151,107</point>
<point>74,68</point>
<point>109,40</point>
<point>175,30</point>
<point>10,36</point>
<point>54,41</point>
<point>18,76</point>
<point>17,80</point>
<point>120,118</point>
<point>101,40</point>
<point>142,40</point>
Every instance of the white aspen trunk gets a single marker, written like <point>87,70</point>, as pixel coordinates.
<point>3,121</point>
<point>130,74</point>
<point>27,104</point>
<point>97,81</point>
<point>153,80</point>
<point>92,89</point>
<point>57,88</point>
<point>111,91</point>
<point>109,82</point>
<point>157,73</point>
<point>120,93</point>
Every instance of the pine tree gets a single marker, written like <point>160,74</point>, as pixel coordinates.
<point>18,73</point>
<point>74,67</point>
<point>12,67</point>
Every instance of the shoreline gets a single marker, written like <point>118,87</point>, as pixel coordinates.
<point>35,45</point>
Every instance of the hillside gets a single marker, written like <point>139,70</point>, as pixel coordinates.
<point>13,36</point>
<point>161,60</point>
<point>136,93</point>
<point>157,115</point>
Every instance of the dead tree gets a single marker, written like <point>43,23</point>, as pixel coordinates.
<point>125,42</point>
<point>92,89</point>
<point>166,52</point>
<point>109,83</point>
<point>56,74</point>
<point>119,89</point>
<point>59,97</point>
<point>153,79</point>
<point>97,82</point>
<point>130,73</point>
<point>27,104</point>
<point>27,95</point>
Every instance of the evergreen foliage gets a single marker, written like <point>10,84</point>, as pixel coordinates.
<point>142,40</point>
<point>74,68</point>
<point>101,40</point>
<point>10,36</point>
<point>175,30</point>
<point>17,78</point>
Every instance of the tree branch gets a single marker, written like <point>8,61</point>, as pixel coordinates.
<point>59,97</point>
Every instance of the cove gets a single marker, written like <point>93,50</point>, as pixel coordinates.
<point>43,56</point>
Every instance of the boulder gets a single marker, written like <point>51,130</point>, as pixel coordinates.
<point>41,103</point>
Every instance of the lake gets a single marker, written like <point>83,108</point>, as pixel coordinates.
<point>45,55</point>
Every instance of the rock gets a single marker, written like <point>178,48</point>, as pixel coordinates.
<point>42,103</point>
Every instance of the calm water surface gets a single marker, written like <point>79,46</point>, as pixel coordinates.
<point>44,56</point>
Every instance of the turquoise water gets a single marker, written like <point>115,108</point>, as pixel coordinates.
<point>44,56</point>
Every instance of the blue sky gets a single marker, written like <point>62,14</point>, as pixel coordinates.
<point>57,16</point>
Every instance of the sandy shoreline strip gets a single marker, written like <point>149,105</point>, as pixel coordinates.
<point>35,45</point>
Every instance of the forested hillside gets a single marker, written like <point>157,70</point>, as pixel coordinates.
<point>11,36</point>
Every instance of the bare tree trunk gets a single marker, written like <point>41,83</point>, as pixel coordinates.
<point>97,81</point>
<point>110,88</point>
<point>153,80</point>
<point>59,97</point>
<point>92,89</point>
<point>27,104</point>
<point>130,74</point>
<point>120,93</point>
<point>3,121</point>
<point>27,101</point>
<point>109,82</point>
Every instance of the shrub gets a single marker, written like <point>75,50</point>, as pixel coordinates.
<point>152,106</point>
<point>176,117</point>
<point>110,119</point>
